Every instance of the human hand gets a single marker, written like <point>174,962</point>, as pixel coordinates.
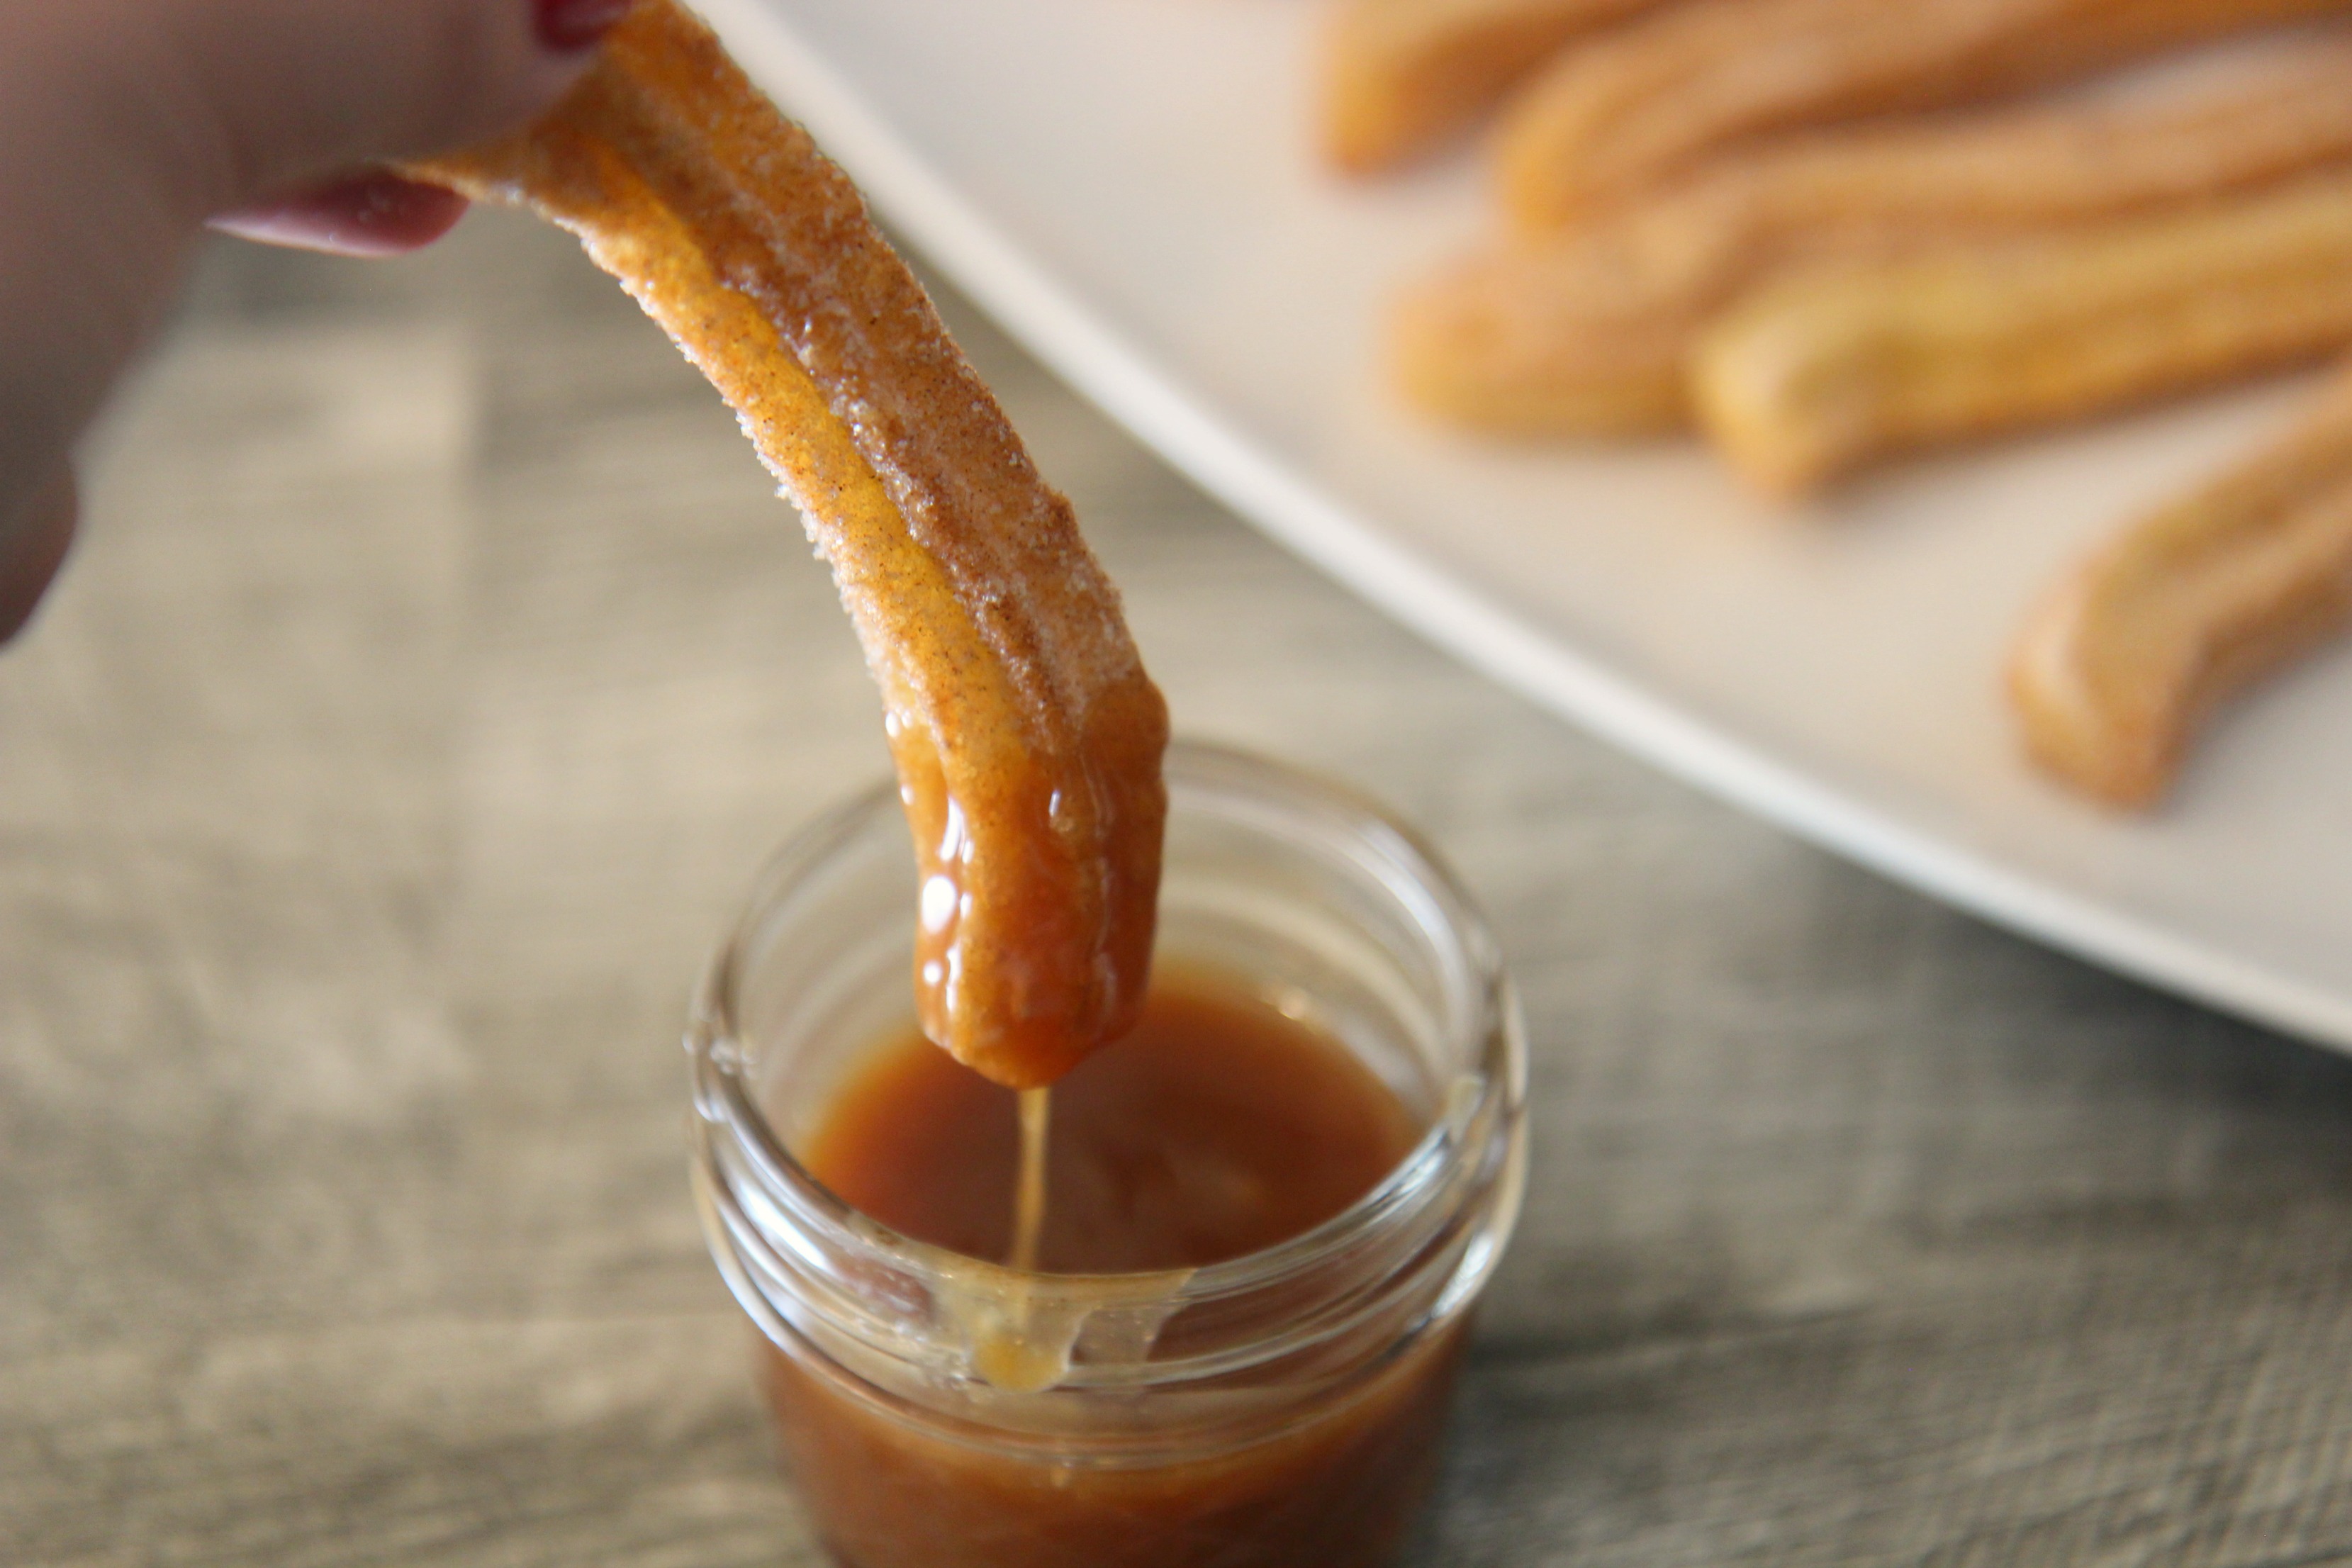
<point>127,125</point>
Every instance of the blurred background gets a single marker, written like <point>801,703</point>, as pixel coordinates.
<point>436,671</point>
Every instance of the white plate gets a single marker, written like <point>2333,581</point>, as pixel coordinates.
<point>1126,184</point>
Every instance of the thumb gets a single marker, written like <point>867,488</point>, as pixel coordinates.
<point>246,100</point>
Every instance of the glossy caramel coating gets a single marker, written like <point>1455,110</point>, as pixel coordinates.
<point>1027,736</point>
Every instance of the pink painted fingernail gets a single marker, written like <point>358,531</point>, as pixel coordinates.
<point>568,26</point>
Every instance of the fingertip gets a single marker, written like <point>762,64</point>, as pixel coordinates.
<point>568,26</point>
<point>374,214</point>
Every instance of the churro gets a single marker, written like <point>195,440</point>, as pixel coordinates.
<point>1834,366</point>
<point>1027,736</point>
<point>1614,117</point>
<point>1585,329</point>
<point>2117,670</point>
<point>1403,76</point>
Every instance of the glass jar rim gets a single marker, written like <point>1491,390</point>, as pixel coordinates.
<point>1482,1105</point>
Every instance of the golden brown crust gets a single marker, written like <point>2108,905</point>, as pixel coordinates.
<point>1835,366</point>
<point>1027,735</point>
<point>1612,118</point>
<point>1583,331</point>
<point>2116,669</point>
<point>1401,78</point>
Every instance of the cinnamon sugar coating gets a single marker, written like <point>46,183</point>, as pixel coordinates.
<point>1027,735</point>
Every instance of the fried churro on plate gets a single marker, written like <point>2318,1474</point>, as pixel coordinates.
<point>2117,670</point>
<point>1403,76</point>
<point>1831,367</point>
<point>1610,120</point>
<point>1584,330</point>
<point>1027,736</point>
<point>1833,232</point>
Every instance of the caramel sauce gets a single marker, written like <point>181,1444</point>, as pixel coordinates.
<point>1337,1489</point>
<point>1039,882</point>
<point>1216,1127</point>
<point>1029,1186</point>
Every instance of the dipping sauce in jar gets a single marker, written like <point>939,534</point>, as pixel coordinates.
<point>1217,1126</point>
<point>1268,1210</point>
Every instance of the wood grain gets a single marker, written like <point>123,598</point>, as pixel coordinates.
<point>438,667</point>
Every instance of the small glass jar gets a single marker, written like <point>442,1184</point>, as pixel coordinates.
<point>1280,1408</point>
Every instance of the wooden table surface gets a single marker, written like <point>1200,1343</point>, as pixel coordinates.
<point>437,667</point>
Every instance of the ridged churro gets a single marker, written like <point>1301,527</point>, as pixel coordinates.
<point>1834,366</point>
<point>1403,76</point>
<point>2116,669</point>
<point>1027,736</point>
<point>1584,330</point>
<point>1615,117</point>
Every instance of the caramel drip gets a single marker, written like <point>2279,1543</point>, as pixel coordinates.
<point>1029,1189</point>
